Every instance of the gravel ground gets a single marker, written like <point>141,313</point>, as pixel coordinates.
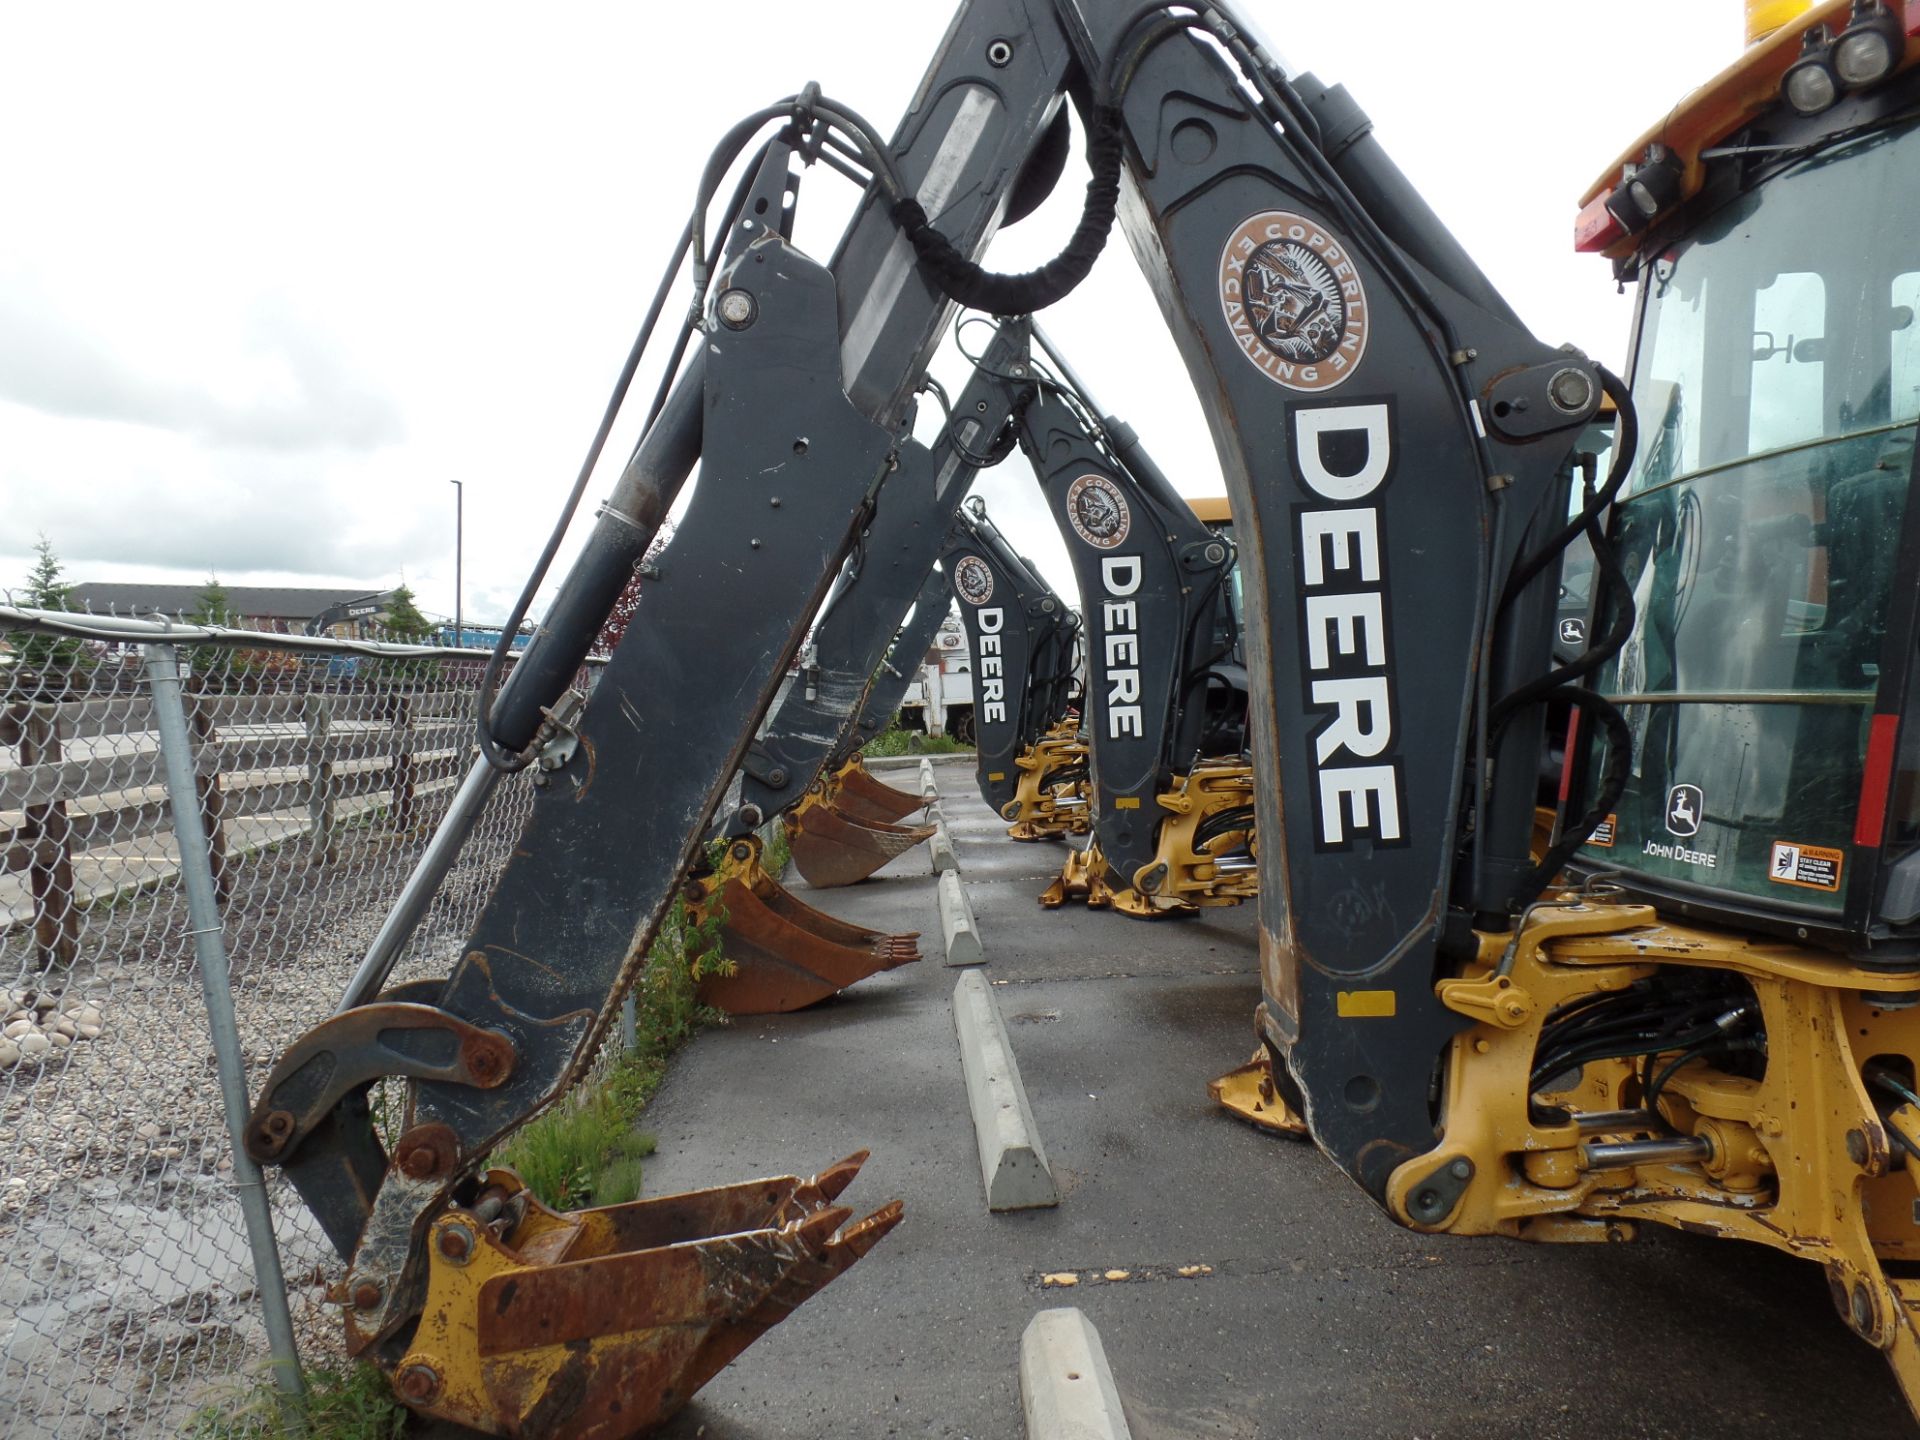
<point>126,1291</point>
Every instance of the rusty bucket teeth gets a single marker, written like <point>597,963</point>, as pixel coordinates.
<point>870,1231</point>
<point>613,1333</point>
<point>832,848</point>
<point>861,797</point>
<point>821,1226</point>
<point>822,1252</point>
<point>787,955</point>
<point>830,1182</point>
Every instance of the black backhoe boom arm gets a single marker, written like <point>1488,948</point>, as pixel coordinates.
<point>1394,446</point>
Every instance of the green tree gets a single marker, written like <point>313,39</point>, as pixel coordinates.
<point>403,621</point>
<point>403,624</point>
<point>212,665</point>
<point>45,589</point>
<point>48,663</point>
<point>211,606</point>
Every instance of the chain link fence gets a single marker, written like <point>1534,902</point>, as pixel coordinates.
<point>319,771</point>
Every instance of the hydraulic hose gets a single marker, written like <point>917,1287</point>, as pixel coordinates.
<point>800,111</point>
<point>1611,588</point>
<point>497,755</point>
<point>963,280</point>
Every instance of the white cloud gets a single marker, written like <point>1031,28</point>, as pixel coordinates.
<point>274,276</point>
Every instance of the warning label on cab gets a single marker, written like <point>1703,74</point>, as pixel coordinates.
<point>1817,867</point>
<point>1603,833</point>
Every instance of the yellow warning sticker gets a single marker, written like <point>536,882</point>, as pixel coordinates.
<point>1363,1004</point>
<point>1603,834</point>
<point>1127,802</point>
<point>996,775</point>
<point>1814,867</point>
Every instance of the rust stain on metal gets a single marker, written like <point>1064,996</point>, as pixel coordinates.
<point>427,1152</point>
<point>351,1049</point>
<point>524,959</point>
<point>488,1058</point>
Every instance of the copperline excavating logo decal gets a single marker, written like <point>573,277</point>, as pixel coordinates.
<point>1098,511</point>
<point>1294,301</point>
<point>973,580</point>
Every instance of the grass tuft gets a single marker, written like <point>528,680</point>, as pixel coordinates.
<point>778,853</point>
<point>897,740</point>
<point>568,1155</point>
<point>585,1151</point>
<point>345,1402</point>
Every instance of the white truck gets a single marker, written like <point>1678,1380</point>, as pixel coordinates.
<point>939,699</point>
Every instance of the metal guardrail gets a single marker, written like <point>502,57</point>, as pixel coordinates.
<point>307,775</point>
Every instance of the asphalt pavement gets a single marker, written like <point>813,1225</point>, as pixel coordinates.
<point>1306,1312</point>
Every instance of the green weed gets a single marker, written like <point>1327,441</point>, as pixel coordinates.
<point>585,1150</point>
<point>778,853</point>
<point>898,740</point>
<point>569,1156</point>
<point>348,1402</point>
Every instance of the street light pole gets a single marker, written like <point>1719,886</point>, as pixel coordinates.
<point>459,526</point>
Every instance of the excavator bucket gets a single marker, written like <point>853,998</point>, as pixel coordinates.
<point>832,848</point>
<point>603,1323</point>
<point>785,954</point>
<point>859,796</point>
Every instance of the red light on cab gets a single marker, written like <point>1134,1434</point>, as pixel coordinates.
<point>1597,227</point>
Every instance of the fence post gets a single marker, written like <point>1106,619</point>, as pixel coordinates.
<point>56,912</point>
<point>319,718</point>
<point>402,764</point>
<point>203,910</point>
<point>209,793</point>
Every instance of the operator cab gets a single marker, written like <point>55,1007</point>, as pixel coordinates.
<point>1764,532</point>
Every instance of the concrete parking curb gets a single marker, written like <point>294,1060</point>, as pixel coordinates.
<point>928,787</point>
<point>957,929</point>
<point>1066,1388</point>
<point>1013,1166</point>
<point>940,847</point>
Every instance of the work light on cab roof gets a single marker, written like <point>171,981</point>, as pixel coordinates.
<point>1808,57</point>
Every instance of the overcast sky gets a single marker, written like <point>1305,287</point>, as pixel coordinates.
<point>272,276</point>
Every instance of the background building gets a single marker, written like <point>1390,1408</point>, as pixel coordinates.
<point>326,610</point>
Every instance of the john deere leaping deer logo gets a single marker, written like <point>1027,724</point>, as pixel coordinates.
<point>1294,301</point>
<point>973,580</point>
<point>1685,805</point>
<point>1098,511</point>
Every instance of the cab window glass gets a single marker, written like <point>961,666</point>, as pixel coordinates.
<point>1789,355</point>
<point>1671,382</point>
<point>1906,346</point>
<point>1777,385</point>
